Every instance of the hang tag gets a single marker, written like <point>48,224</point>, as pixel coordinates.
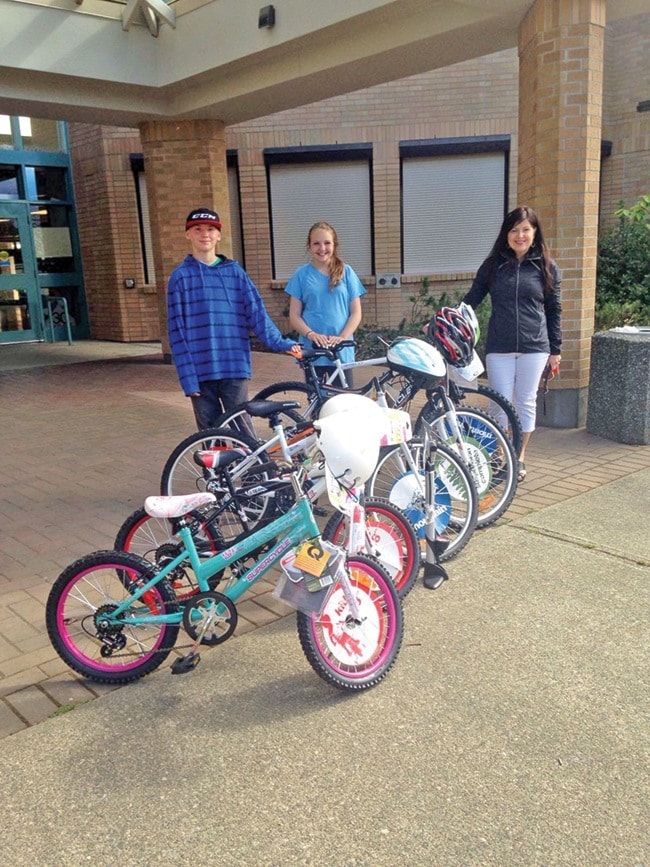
<point>312,558</point>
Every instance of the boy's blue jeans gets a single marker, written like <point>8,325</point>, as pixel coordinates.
<point>217,396</point>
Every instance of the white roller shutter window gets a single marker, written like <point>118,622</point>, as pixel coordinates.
<point>146,228</point>
<point>303,194</point>
<point>453,210</point>
<point>235,216</point>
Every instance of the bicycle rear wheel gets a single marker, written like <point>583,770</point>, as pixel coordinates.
<point>492,402</point>
<point>181,475</point>
<point>390,538</point>
<point>155,540</point>
<point>456,498</point>
<point>299,392</point>
<point>348,653</point>
<point>77,610</point>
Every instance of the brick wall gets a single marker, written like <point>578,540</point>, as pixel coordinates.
<point>185,164</point>
<point>626,173</point>
<point>474,98</point>
<point>561,50</point>
<point>109,234</point>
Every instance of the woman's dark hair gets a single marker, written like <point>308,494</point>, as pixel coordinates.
<point>539,244</point>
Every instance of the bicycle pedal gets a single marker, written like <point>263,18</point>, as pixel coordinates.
<point>185,663</point>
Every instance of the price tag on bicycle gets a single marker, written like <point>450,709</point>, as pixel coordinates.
<point>299,567</point>
<point>312,558</point>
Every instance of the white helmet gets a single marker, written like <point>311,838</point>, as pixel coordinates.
<point>350,442</point>
<point>353,403</point>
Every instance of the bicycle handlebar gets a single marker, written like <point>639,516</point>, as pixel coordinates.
<point>329,352</point>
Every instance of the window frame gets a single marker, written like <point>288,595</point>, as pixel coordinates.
<point>444,147</point>
<point>361,152</point>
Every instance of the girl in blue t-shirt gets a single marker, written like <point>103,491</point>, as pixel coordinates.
<point>325,305</point>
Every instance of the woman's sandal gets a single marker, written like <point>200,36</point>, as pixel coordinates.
<point>521,474</point>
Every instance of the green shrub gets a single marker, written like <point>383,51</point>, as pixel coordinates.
<point>423,305</point>
<point>623,269</point>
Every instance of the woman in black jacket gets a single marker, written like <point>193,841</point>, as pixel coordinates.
<point>524,331</point>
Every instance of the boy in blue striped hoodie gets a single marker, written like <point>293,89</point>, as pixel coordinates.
<point>212,306</point>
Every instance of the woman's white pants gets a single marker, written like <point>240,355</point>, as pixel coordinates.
<point>516,375</point>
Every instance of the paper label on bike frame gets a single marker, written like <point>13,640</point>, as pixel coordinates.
<point>333,556</point>
<point>338,496</point>
<point>398,424</point>
<point>312,558</point>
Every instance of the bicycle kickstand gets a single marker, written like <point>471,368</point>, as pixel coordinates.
<point>434,574</point>
<point>191,659</point>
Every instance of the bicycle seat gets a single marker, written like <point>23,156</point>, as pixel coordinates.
<point>176,506</point>
<point>217,459</point>
<point>265,408</point>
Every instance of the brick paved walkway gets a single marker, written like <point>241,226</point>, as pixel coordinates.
<point>83,444</point>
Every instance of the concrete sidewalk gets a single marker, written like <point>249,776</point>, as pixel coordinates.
<point>511,730</point>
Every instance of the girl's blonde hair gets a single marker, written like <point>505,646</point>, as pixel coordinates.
<point>336,264</point>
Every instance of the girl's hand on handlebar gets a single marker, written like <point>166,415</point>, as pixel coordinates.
<point>320,340</point>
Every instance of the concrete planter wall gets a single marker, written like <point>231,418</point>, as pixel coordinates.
<point>618,406</point>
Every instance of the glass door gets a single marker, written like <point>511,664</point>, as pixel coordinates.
<point>20,297</point>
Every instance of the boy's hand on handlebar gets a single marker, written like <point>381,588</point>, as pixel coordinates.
<point>295,351</point>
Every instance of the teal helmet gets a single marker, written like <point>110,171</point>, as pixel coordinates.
<point>417,358</point>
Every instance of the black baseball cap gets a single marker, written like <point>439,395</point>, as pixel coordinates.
<point>202,217</point>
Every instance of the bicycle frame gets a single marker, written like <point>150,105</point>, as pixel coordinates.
<point>341,367</point>
<point>296,526</point>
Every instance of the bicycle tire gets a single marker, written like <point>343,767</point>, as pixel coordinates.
<point>495,405</point>
<point>181,475</point>
<point>260,428</point>
<point>490,455</point>
<point>298,391</point>
<point>155,540</point>
<point>348,654</point>
<point>117,654</point>
<point>456,495</point>
<point>390,538</point>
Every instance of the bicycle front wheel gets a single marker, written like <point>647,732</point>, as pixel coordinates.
<point>489,454</point>
<point>456,498</point>
<point>355,653</point>
<point>390,538</point>
<point>78,620</point>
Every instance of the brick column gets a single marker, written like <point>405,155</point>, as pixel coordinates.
<point>560,114</point>
<point>186,168</point>
<point>385,305</point>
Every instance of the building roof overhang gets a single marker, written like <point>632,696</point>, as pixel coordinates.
<point>123,62</point>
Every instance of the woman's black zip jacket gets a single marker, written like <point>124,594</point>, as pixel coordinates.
<point>525,317</point>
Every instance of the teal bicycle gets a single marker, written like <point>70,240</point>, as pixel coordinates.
<point>113,617</point>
